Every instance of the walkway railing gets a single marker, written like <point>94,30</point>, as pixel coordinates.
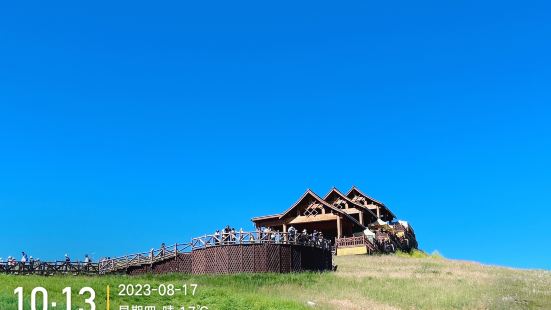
<point>223,239</point>
<point>350,241</point>
<point>153,256</point>
<point>49,268</point>
<point>346,242</point>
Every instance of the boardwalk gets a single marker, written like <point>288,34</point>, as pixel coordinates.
<point>50,268</point>
<point>208,241</point>
<point>155,256</point>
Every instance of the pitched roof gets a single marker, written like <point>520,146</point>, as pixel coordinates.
<point>354,188</point>
<point>343,196</point>
<point>323,202</point>
<point>264,217</point>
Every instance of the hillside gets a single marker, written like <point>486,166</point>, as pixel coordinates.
<point>361,282</point>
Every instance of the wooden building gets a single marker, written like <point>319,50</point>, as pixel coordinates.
<point>336,215</point>
<point>377,207</point>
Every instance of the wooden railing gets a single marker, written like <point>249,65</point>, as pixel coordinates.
<point>153,256</point>
<point>346,242</point>
<point>49,268</point>
<point>405,241</point>
<point>350,241</point>
<point>223,239</point>
<point>383,242</point>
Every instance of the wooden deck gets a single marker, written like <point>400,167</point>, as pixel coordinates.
<point>397,238</point>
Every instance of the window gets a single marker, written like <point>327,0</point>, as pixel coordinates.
<point>314,208</point>
<point>341,204</point>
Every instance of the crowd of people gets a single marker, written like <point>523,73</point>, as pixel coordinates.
<point>229,235</point>
<point>29,261</point>
<point>25,259</point>
<point>304,236</point>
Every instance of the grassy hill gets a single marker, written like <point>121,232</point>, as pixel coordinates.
<point>361,282</point>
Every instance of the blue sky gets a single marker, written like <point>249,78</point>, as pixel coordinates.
<point>126,125</point>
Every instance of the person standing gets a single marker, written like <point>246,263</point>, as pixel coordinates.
<point>87,262</point>
<point>241,235</point>
<point>23,263</point>
<point>31,263</point>
<point>292,234</point>
<point>232,235</point>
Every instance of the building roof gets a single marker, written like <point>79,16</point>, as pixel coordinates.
<point>265,217</point>
<point>357,205</point>
<point>354,188</point>
<point>323,202</point>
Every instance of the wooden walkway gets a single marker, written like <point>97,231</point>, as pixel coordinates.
<point>383,243</point>
<point>122,263</point>
<point>206,241</point>
<point>50,268</point>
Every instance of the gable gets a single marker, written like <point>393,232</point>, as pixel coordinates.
<point>308,205</point>
<point>311,205</point>
<point>338,201</point>
<point>342,202</point>
<point>362,199</point>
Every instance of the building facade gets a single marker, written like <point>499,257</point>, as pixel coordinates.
<point>339,216</point>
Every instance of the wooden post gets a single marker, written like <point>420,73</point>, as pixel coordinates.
<point>339,227</point>
<point>285,232</point>
<point>361,217</point>
<point>378,212</point>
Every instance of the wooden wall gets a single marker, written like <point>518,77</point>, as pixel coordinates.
<point>227,259</point>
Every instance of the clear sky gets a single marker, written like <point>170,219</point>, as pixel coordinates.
<point>126,125</point>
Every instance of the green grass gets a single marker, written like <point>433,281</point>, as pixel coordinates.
<point>418,254</point>
<point>402,281</point>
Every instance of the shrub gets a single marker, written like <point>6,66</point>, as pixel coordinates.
<point>415,253</point>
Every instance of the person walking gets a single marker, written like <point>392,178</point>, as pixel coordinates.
<point>23,262</point>
<point>67,262</point>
